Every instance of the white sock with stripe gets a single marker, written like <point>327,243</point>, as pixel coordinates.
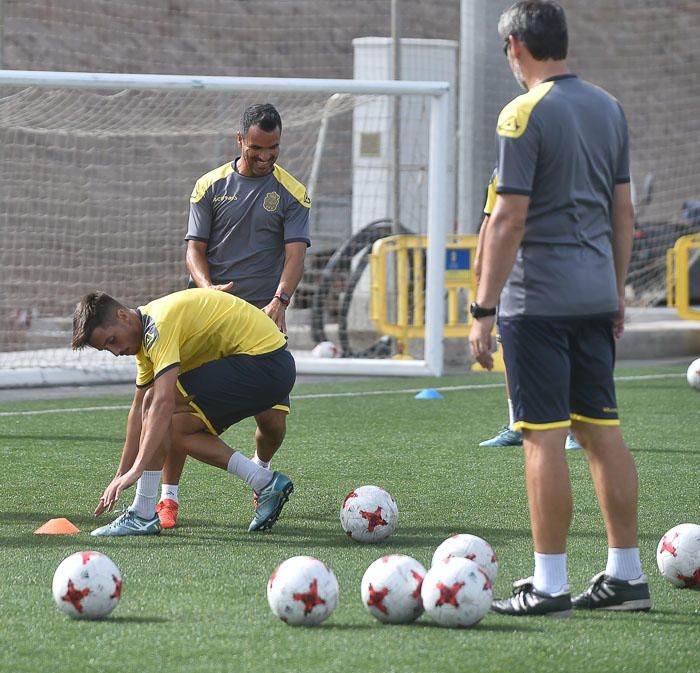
<point>170,492</point>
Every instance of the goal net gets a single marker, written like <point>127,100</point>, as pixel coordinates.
<point>95,182</point>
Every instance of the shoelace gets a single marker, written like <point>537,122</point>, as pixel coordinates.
<point>124,509</point>
<point>524,585</point>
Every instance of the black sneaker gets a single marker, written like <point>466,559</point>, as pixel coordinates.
<point>607,593</point>
<point>528,601</point>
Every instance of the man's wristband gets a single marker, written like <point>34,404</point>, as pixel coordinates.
<point>283,297</point>
<point>481,311</point>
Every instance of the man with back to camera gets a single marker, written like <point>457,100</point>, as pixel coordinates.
<point>555,258</point>
<point>247,234</point>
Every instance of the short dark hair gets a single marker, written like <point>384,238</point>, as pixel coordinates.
<point>540,25</point>
<point>96,309</point>
<point>263,115</point>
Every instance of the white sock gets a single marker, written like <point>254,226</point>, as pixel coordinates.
<point>258,477</point>
<point>511,417</point>
<point>170,492</point>
<point>550,573</point>
<point>262,463</point>
<point>623,563</point>
<point>146,494</point>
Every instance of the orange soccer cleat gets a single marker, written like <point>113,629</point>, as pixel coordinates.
<point>167,512</point>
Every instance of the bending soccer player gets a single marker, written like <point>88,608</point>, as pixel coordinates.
<point>205,360</point>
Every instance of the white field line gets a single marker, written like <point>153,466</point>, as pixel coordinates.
<point>317,396</point>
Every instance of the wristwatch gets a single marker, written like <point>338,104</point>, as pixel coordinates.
<point>480,311</point>
<point>283,297</point>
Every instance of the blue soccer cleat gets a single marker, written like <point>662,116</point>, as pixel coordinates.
<point>271,500</point>
<point>506,437</point>
<point>129,523</point>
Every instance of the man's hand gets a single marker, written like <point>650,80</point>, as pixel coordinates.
<point>480,341</point>
<point>276,310</point>
<point>223,288</point>
<point>113,491</point>
<point>619,320</point>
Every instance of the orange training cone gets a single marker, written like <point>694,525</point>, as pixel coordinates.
<point>57,527</point>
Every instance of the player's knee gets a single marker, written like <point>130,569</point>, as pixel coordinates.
<point>272,424</point>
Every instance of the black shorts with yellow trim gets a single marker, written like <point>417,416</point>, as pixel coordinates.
<point>228,390</point>
<point>560,369</point>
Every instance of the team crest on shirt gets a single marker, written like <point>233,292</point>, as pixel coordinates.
<point>272,200</point>
<point>150,332</point>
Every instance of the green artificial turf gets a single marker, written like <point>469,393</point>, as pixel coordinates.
<point>194,597</point>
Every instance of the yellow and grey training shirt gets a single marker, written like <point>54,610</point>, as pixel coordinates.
<point>191,327</point>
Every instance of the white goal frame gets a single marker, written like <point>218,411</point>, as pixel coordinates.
<point>437,211</point>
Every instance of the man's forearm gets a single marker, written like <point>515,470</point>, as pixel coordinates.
<point>133,434</point>
<point>499,251</point>
<point>293,269</point>
<point>154,434</point>
<point>197,265</point>
<point>622,234</point>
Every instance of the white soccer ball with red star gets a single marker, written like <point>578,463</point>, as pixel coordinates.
<point>693,374</point>
<point>678,556</point>
<point>391,587</point>
<point>87,585</point>
<point>302,591</point>
<point>325,349</point>
<point>456,592</point>
<point>471,547</point>
<point>369,514</point>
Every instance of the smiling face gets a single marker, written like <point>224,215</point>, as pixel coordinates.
<point>259,151</point>
<point>121,337</point>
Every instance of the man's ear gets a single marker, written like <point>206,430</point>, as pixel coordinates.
<point>239,138</point>
<point>516,47</point>
<point>122,314</point>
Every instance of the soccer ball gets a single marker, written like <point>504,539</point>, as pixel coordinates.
<point>471,547</point>
<point>678,556</point>
<point>302,591</point>
<point>87,585</point>
<point>693,374</point>
<point>456,592</point>
<point>325,349</point>
<point>368,514</point>
<point>390,589</point>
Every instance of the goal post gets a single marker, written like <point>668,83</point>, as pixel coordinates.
<point>20,100</point>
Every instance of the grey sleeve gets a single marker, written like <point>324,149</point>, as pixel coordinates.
<point>200,220</point>
<point>296,223</point>
<point>517,161</point>
<point>622,173</point>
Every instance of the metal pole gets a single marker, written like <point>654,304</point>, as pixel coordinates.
<point>396,119</point>
<point>437,233</point>
<point>118,81</point>
<point>2,33</point>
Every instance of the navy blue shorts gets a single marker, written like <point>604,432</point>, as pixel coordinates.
<point>560,369</point>
<point>228,390</point>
